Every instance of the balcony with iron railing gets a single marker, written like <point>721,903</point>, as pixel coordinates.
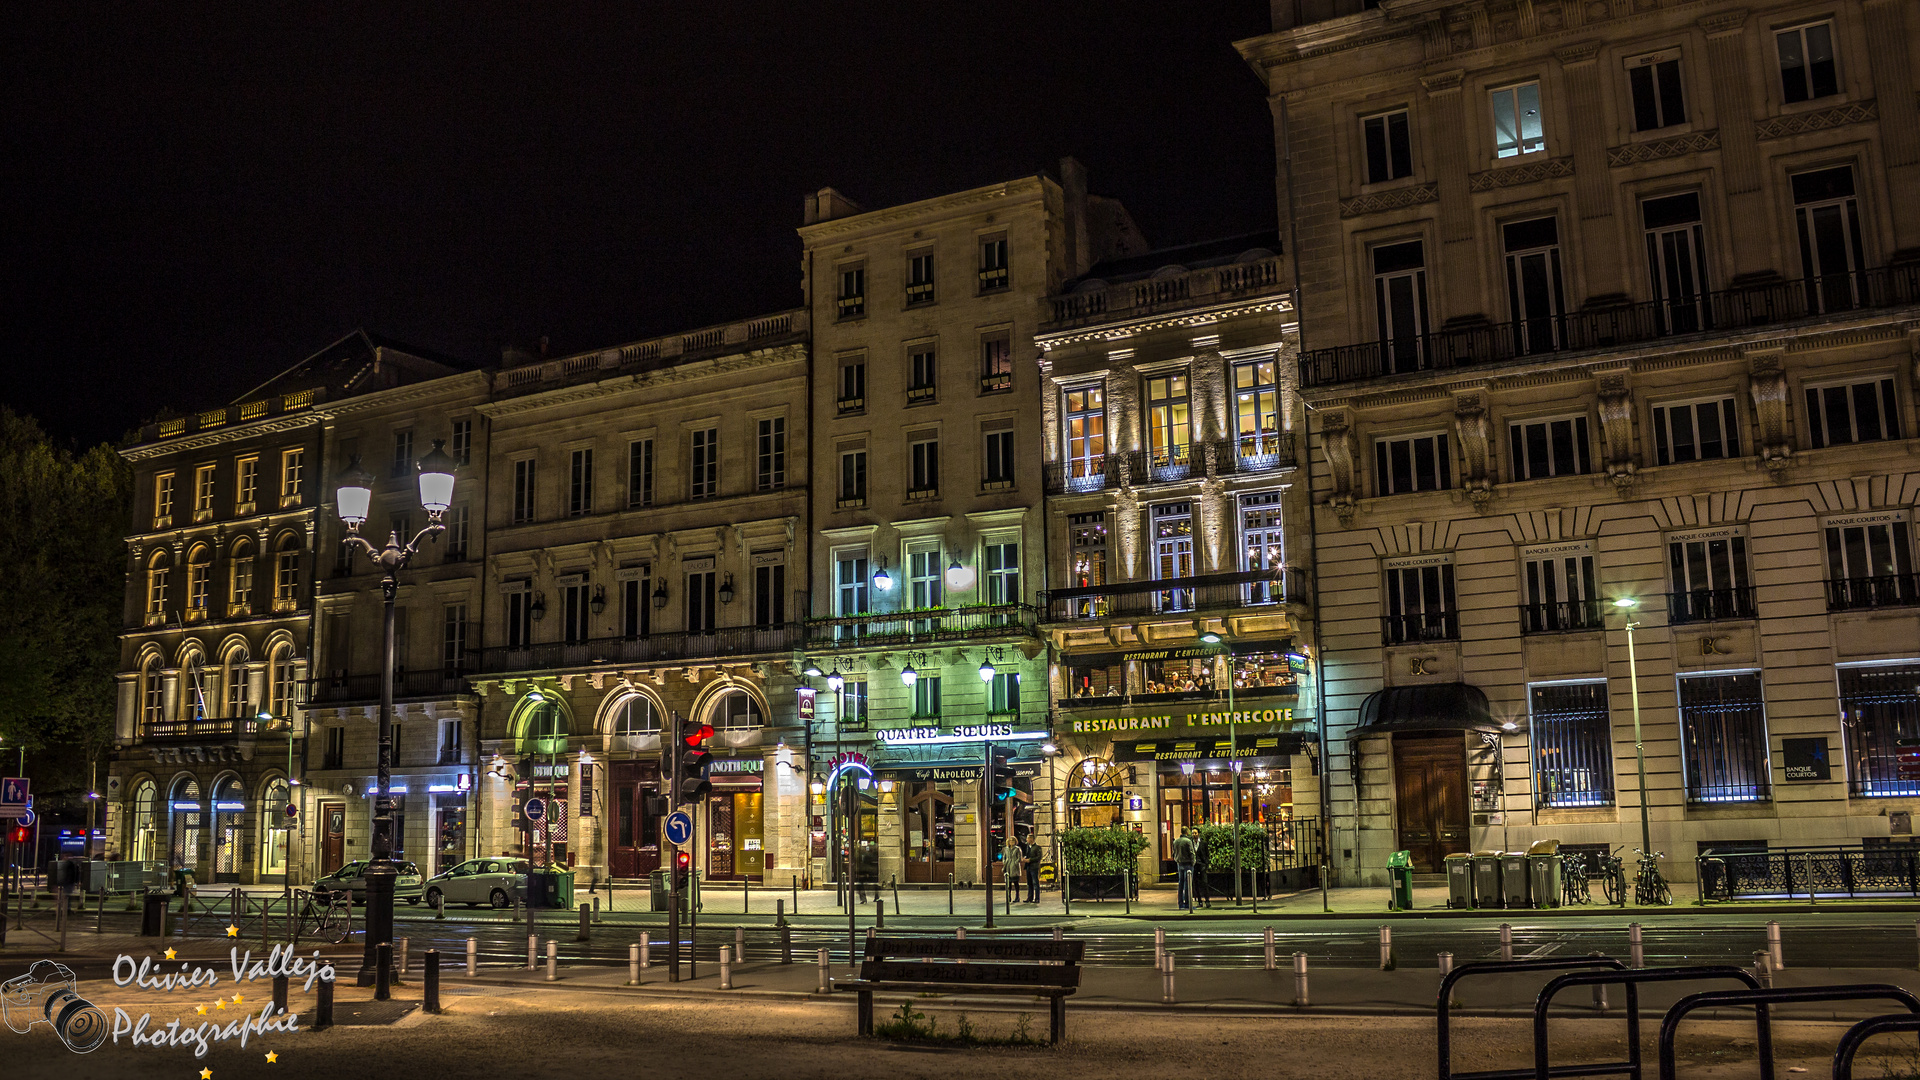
<point>1867,593</point>
<point>199,729</point>
<point>1231,457</point>
<point>1171,293</point>
<point>920,625</point>
<point>1176,596</point>
<point>1419,626</point>
<point>407,686</point>
<point>726,641</point>
<point>1722,311</point>
<point>1561,616</point>
<point>1711,605</point>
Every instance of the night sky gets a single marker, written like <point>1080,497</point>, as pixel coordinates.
<point>198,195</point>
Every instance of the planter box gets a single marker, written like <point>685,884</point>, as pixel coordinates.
<point>1101,886</point>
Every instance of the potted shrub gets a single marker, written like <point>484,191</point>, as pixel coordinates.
<point>1100,860</point>
<point>1218,871</point>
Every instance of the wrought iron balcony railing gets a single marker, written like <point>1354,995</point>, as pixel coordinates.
<point>1212,592</point>
<point>1708,605</point>
<point>680,645</point>
<point>919,625</point>
<point>1246,454</point>
<point>1860,594</point>
<point>1561,616</point>
<point>203,728</point>
<point>1420,626</point>
<point>342,689</point>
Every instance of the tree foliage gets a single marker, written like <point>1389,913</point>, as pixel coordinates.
<point>62,581</point>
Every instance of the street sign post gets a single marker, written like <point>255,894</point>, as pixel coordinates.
<point>679,827</point>
<point>14,798</point>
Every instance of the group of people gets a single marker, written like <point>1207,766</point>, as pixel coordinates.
<point>1022,861</point>
<point>1189,852</point>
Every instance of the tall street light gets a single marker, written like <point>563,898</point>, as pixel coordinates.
<point>353,496</point>
<point>1625,605</point>
<point>1233,760</point>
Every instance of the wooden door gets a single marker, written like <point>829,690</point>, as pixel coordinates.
<point>929,835</point>
<point>1430,785</point>
<point>635,848</point>
<point>333,836</point>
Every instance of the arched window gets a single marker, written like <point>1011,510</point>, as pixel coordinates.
<point>153,696</point>
<point>280,681</point>
<point>183,808</point>
<point>229,806</point>
<point>737,711</point>
<point>159,573</point>
<point>286,573</point>
<point>199,571</point>
<point>192,703</point>
<point>275,828</point>
<point>233,676</point>
<point>142,841</point>
<point>544,728</point>
<point>240,575</point>
<point>636,716</point>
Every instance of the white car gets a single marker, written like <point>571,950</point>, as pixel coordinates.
<point>492,882</point>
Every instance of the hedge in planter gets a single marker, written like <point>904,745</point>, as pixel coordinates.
<point>1219,841</point>
<point>1089,851</point>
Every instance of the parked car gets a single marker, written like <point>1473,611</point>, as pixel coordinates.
<point>478,881</point>
<point>352,880</point>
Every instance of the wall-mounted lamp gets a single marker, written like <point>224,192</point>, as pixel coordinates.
<point>959,578</point>
<point>986,666</point>
<point>835,680</point>
<point>539,608</point>
<point>660,594</point>
<point>726,590</point>
<point>908,675</point>
<point>881,579</point>
<point>599,601</point>
<point>811,671</point>
<point>817,788</point>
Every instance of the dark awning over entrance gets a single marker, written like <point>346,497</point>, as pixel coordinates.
<point>1428,707</point>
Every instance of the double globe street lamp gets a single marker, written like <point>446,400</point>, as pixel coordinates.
<point>353,497</point>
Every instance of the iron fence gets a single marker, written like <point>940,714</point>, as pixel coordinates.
<point>920,625</point>
<point>1890,870</point>
<point>1857,594</point>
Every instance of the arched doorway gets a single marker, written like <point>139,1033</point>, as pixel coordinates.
<point>142,838</point>
<point>736,846</point>
<point>184,824</point>
<point>929,828</point>
<point>633,778</point>
<point>229,818</point>
<point>276,831</point>
<point>853,811</point>
<point>543,729</point>
<point>1096,793</point>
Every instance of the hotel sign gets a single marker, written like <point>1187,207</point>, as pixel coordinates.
<point>896,736</point>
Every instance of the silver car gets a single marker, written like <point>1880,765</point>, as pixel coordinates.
<point>352,880</point>
<point>493,882</point>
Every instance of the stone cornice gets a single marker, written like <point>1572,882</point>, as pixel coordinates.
<point>228,526</point>
<point>207,440</point>
<point>692,370</point>
<point>1196,317</point>
<point>894,215</point>
<point>402,395</point>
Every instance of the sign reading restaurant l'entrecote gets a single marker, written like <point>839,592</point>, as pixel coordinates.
<point>1202,719</point>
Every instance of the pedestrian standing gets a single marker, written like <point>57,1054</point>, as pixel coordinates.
<point>1183,863</point>
<point>1033,871</point>
<point>1203,896</point>
<point>1013,864</point>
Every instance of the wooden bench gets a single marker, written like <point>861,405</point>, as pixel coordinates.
<point>983,965</point>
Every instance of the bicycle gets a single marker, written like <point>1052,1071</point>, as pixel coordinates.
<point>332,923</point>
<point>1613,880</point>
<point>1574,887</point>
<point>1648,886</point>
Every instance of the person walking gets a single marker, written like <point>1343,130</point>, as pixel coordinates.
<point>1183,864</point>
<point>1202,895</point>
<point>1033,871</point>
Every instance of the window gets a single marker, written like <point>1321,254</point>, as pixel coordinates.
<point>286,574</point>
<point>1001,560</point>
<point>924,576</point>
<point>240,578</point>
<point>336,752</point>
<point>394,747</point>
<point>153,696</point>
<point>1169,426</point>
<point>280,681</point>
<point>853,705</point>
<point>853,291</point>
<point>1533,283</point>
<point>519,596</point>
<point>1827,216</point>
<point>1723,738</point>
<point>580,483</point>
<point>459,530</point>
<point>1658,99</point>
<point>401,525</point>
<point>523,491</point>
<point>1389,147</point>
<point>234,679</point>
<point>1709,576</point>
<point>997,474</point>
<point>1419,600</point>
<point>402,454</point>
<point>1087,533</point>
<point>1556,447</point>
<point>993,263</point>
<point>996,363</point>
<point>926,696</point>
<point>1557,588</point>
<point>1695,431</point>
<point>462,442</point>
<point>199,573</point>
<point>159,570</point>
<point>1262,544</point>
<point>850,583</point>
<point>1516,121</point>
<point>450,742</point>
<point>769,590</point>
<point>453,638</point>
<point>853,478</point>
<point>853,386</point>
<point>925,458</point>
<point>576,598</point>
<point>1880,721</point>
<point>1855,412</point>
<point>1807,68</point>
<point>736,712</point>
<point>1870,562</point>
<point>1572,736</point>
<point>1084,413</point>
<point>246,485</point>
<point>704,471</point>
<point>636,716</point>
<point>1412,463</point>
<point>203,493</point>
<point>919,278</point>
<point>1173,553</point>
<point>1003,693</point>
<point>636,601</point>
<point>292,471</point>
<point>771,454</point>
<point>163,500</point>
<point>923,379</point>
<point>1677,263</point>
<point>1256,403</point>
<point>1400,304</point>
<point>639,473</point>
<point>700,601</point>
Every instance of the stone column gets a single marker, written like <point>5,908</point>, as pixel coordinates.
<point>1727,61</point>
<point>1457,259</point>
<point>170,695</point>
<point>1593,191</point>
<point>1888,41</point>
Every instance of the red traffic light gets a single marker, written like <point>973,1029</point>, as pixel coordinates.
<point>697,735</point>
<point>682,860</point>
<point>22,834</point>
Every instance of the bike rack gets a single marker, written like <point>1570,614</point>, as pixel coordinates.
<point>1760,999</point>
<point>1631,980</point>
<point>1859,1033</point>
<point>1495,967</point>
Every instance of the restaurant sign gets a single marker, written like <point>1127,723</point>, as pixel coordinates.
<point>1096,797</point>
<point>1207,749</point>
<point>1170,721</point>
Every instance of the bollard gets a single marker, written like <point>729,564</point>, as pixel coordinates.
<point>586,924</point>
<point>1166,980</point>
<point>1159,947</point>
<point>726,968</point>
<point>960,934</point>
<point>430,979</point>
<point>823,971</point>
<point>1916,927</point>
<point>383,971</point>
<point>533,952</point>
<point>439,907</point>
<point>880,912</point>
<point>796,894</point>
<point>473,956</point>
<point>786,943</point>
<point>949,894</point>
<point>746,898</point>
<point>401,971</point>
<point>1272,963</point>
<point>1506,942</point>
<point>553,960</point>
<point>1386,948</point>
<point>1763,969</point>
<point>646,950</point>
<point>1126,890</point>
<point>1775,957</point>
<point>633,965</point>
<point>596,904</point>
<point>323,1006</point>
<point>779,913</point>
<point>279,994</point>
<point>1300,979</point>
<point>739,944</point>
<point>1637,955</point>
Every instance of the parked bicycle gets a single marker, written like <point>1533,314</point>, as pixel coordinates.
<point>1613,880</point>
<point>1574,886</point>
<point>328,917</point>
<point>1648,886</point>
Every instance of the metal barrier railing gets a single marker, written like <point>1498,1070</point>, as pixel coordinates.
<point>1761,999</point>
<point>1858,1034</point>
<point>1631,980</point>
<point>1443,1035</point>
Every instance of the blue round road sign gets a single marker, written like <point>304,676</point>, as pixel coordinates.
<point>679,827</point>
<point>536,809</point>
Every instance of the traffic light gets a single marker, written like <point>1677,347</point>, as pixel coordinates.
<point>22,834</point>
<point>682,860</point>
<point>693,762</point>
<point>1000,774</point>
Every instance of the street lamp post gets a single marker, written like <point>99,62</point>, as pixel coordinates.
<point>1627,604</point>
<point>353,495</point>
<point>1233,761</point>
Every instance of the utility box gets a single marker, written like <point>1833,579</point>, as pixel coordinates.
<point>1459,880</point>
<point>657,893</point>
<point>1400,881</point>
<point>1486,879</point>
<point>1513,880</point>
<point>153,913</point>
